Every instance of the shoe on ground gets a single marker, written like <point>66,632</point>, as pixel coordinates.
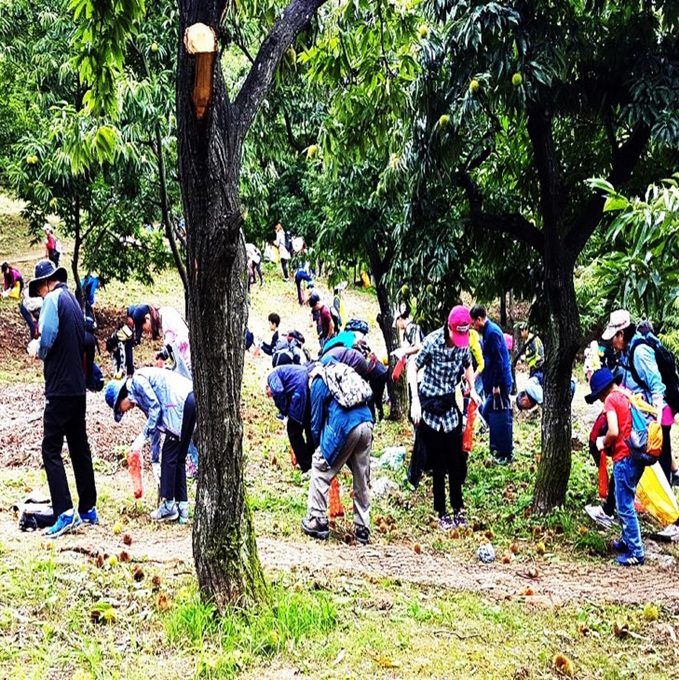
<point>446,523</point>
<point>67,521</point>
<point>629,560</point>
<point>314,527</point>
<point>504,460</point>
<point>460,520</point>
<point>670,533</point>
<point>362,534</point>
<point>620,546</point>
<point>165,512</point>
<point>596,512</point>
<point>90,517</point>
<point>183,510</point>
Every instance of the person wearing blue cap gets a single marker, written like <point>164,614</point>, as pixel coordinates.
<point>61,346</point>
<point>166,399</point>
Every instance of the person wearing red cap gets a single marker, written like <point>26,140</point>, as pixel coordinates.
<point>443,359</point>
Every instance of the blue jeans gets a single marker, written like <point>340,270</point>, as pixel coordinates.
<point>627,474</point>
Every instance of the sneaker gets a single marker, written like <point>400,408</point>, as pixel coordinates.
<point>362,534</point>
<point>670,533</point>
<point>596,512</point>
<point>460,520</point>
<point>314,527</point>
<point>620,546</point>
<point>628,560</point>
<point>504,460</point>
<point>67,521</point>
<point>166,512</point>
<point>90,517</point>
<point>183,509</point>
<point>446,523</point>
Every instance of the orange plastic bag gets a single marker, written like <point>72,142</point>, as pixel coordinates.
<point>603,475</point>
<point>134,466</point>
<point>293,458</point>
<point>336,509</point>
<point>468,436</point>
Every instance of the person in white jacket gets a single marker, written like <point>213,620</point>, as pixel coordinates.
<point>280,243</point>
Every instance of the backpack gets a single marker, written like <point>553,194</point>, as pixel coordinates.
<point>288,243</point>
<point>286,351</point>
<point>667,366</point>
<point>57,246</point>
<point>95,382</point>
<point>346,386</point>
<point>34,513</point>
<point>646,437</point>
<point>336,321</point>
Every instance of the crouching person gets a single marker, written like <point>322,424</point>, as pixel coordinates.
<point>343,435</point>
<point>166,398</point>
<point>626,470</point>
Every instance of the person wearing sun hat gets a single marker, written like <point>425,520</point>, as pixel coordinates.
<point>626,470</point>
<point>443,359</point>
<point>61,346</point>
<point>166,399</point>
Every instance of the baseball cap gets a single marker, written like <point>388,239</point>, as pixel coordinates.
<point>618,321</point>
<point>459,322</point>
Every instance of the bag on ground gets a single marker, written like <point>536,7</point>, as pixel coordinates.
<point>656,495</point>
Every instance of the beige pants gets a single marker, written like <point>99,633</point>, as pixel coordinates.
<point>356,453</point>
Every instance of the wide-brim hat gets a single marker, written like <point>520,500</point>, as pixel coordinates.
<point>619,320</point>
<point>459,323</point>
<point>46,271</point>
<point>600,381</point>
<point>116,391</point>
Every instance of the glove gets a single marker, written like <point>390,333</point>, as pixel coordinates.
<point>474,396</point>
<point>416,411</point>
<point>32,347</point>
<point>398,352</point>
<point>155,467</point>
<point>600,443</point>
<point>138,443</point>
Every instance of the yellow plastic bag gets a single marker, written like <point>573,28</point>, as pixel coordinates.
<point>656,495</point>
<point>15,293</point>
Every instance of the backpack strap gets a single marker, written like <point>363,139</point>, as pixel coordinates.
<point>635,374</point>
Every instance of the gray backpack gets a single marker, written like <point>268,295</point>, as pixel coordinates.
<point>346,386</point>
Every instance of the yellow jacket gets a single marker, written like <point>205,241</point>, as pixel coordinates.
<point>476,350</point>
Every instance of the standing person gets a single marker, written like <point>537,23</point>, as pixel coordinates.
<point>13,282</point>
<point>51,246</point>
<point>343,435</point>
<point>284,252</point>
<point>61,346</point>
<point>254,256</point>
<point>289,387</point>
<point>532,349</point>
<point>301,275</point>
<point>30,307</point>
<point>166,399</point>
<point>325,327</point>
<point>626,471</point>
<point>274,323</point>
<point>444,358</point>
<point>497,384</point>
<point>412,335</point>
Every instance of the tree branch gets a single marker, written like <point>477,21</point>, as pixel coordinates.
<point>512,224</point>
<point>627,158</point>
<point>297,146</point>
<point>271,51</point>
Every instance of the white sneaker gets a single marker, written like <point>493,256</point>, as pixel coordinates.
<point>670,533</point>
<point>596,512</point>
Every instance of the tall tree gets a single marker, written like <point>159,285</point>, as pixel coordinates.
<point>538,97</point>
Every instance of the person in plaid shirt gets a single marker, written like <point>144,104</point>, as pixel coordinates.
<point>444,359</point>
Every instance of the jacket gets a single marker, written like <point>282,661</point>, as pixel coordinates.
<point>330,423</point>
<point>175,332</point>
<point>345,355</point>
<point>290,390</point>
<point>497,371</point>
<point>161,395</point>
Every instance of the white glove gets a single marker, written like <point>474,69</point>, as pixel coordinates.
<point>155,467</point>
<point>398,352</point>
<point>32,348</point>
<point>416,411</point>
<point>5,293</point>
<point>138,443</point>
<point>474,396</point>
<point>600,443</point>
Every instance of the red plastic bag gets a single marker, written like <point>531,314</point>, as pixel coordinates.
<point>398,369</point>
<point>603,476</point>
<point>336,509</point>
<point>134,466</point>
<point>468,436</point>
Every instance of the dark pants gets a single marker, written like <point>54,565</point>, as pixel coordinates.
<point>666,452</point>
<point>302,440</point>
<point>284,267</point>
<point>377,384</point>
<point>65,417</point>
<point>257,268</point>
<point>54,257</point>
<point>445,455</point>
<point>173,463</point>
<point>30,321</point>
<point>609,505</point>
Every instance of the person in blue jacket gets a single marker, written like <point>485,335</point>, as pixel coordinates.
<point>288,385</point>
<point>342,436</point>
<point>166,399</point>
<point>497,384</point>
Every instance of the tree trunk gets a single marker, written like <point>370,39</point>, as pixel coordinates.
<point>225,553</point>
<point>561,344</point>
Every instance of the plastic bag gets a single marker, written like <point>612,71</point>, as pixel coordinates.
<point>398,368</point>
<point>134,466</point>
<point>336,509</point>
<point>603,475</point>
<point>656,495</point>
<point>468,436</point>
<point>393,457</point>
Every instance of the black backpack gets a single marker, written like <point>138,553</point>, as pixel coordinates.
<point>667,365</point>
<point>335,318</point>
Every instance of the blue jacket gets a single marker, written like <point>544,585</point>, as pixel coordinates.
<point>343,339</point>
<point>161,395</point>
<point>330,423</point>
<point>647,368</point>
<point>497,371</point>
<point>289,385</point>
<point>339,354</point>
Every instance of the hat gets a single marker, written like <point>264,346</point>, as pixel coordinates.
<point>601,380</point>
<point>45,271</point>
<point>459,322</point>
<point>47,227</point>
<point>357,326</point>
<point>116,391</point>
<point>619,320</point>
<point>533,389</point>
